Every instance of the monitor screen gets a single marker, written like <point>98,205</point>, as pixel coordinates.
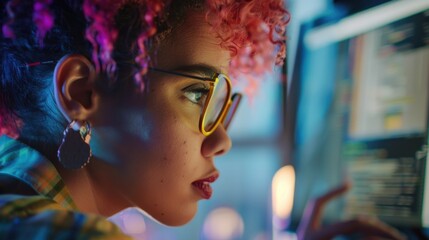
<point>385,143</point>
<point>374,126</point>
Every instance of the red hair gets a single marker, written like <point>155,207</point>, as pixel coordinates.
<point>254,32</point>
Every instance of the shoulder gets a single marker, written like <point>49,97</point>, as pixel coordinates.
<point>38,217</point>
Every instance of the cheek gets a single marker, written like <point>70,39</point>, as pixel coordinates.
<point>161,145</point>
<point>157,155</point>
<point>136,127</point>
<point>159,181</point>
<point>121,135</point>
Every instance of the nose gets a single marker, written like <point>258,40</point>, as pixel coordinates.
<point>217,143</point>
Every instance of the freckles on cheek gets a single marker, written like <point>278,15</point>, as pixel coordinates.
<point>175,161</point>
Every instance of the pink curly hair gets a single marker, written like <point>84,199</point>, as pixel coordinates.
<point>252,30</point>
<point>102,34</point>
<point>42,18</point>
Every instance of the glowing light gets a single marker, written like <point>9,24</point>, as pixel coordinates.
<point>223,224</point>
<point>131,221</point>
<point>364,21</point>
<point>134,223</point>
<point>283,186</point>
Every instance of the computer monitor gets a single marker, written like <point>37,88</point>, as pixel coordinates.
<point>369,75</point>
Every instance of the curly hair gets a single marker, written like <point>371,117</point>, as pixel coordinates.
<point>110,32</point>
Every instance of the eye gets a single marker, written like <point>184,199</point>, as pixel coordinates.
<point>196,93</point>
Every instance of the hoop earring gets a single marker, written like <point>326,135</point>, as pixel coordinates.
<point>74,151</point>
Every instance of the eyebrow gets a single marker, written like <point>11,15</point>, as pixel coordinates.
<point>201,69</point>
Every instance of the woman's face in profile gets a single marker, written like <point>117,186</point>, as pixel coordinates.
<point>161,161</point>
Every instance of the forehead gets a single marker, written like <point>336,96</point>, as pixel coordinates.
<point>191,43</point>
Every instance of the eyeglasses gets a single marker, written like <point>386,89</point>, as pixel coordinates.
<point>219,107</point>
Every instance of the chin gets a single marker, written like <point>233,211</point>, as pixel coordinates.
<point>175,219</point>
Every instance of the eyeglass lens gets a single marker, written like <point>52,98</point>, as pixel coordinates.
<point>235,102</point>
<point>217,103</point>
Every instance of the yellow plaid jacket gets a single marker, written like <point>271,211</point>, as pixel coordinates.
<point>52,213</point>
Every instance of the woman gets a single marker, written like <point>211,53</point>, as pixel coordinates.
<point>120,103</point>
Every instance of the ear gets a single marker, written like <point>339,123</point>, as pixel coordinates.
<point>74,87</point>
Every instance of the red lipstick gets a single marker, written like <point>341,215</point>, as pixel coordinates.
<point>203,186</point>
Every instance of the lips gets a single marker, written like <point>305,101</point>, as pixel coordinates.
<point>203,186</point>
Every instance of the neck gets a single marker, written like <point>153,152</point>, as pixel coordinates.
<point>79,186</point>
<point>90,187</point>
<point>91,190</point>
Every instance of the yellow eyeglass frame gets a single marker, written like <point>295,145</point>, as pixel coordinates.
<point>225,107</point>
<point>213,81</point>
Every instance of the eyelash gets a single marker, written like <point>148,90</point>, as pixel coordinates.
<point>194,90</point>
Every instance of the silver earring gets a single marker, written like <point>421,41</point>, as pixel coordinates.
<point>74,151</point>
